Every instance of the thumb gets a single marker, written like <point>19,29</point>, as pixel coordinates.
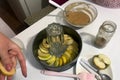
<point>6,61</point>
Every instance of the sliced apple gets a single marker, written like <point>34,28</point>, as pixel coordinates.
<point>57,62</point>
<point>101,61</point>
<point>60,62</point>
<point>45,57</point>
<point>52,60</point>
<point>67,56</point>
<point>64,59</point>
<point>5,72</point>
<point>45,43</point>
<point>105,59</point>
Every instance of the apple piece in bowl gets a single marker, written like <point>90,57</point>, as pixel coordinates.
<point>101,61</point>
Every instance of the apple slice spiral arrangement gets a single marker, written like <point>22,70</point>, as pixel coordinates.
<point>52,60</point>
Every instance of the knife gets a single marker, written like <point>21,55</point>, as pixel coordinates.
<point>88,67</point>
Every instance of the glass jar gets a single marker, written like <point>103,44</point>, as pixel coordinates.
<point>105,33</point>
<point>55,36</point>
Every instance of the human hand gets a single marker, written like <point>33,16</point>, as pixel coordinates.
<point>9,53</point>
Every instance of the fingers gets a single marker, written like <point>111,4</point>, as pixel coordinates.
<point>2,77</point>
<point>21,59</point>
<point>13,58</point>
<point>16,51</point>
<point>9,78</point>
<point>6,61</point>
<point>22,63</point>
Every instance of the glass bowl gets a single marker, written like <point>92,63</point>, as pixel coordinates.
<point>38,40</point>
<point>80,14</point>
